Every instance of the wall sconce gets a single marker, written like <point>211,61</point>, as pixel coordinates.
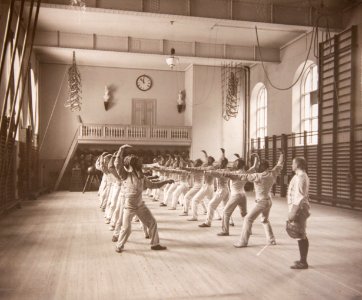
<point>106,97</point>
<point>181,104</point>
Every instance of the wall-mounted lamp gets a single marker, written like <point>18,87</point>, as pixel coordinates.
<point>106,97</point>
<point>181,104</point>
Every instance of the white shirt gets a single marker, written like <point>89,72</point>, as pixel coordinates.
<point>298,189</point>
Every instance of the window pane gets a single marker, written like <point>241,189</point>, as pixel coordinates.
<point>314,78</point>
<point>307,125</point>
<point>307,106</point>
<point>307,83</point>
<point>315,125</point>
<point>315,111</point>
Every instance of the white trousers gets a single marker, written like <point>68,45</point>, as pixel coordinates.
<point>168,195</point>
<point>181,190</point>
<point>145,217</point>
<point>205,192</point>
<point>221,195</point>
<point>112,200</point>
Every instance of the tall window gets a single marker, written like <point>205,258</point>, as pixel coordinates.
<point>309,104</point>
<point>261,114</point>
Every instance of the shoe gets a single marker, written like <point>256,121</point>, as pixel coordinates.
<point>204,225</point>
<point>232,224</point>
<point>297,262</point>
<point>223,234</point>
<point>240,246</point>
<point>192,219</point>
<point>205,212</point>
<point>114,238</point>
<point>111,228</point>
<point>299,266</point>
<point>103,209</point>
<point>154,200</point>
<point>147,236</point>
<point>272,243</point>
<point>184,214</point>
<point>172,208</point>
<point>163,204</point>
<point>158,247</point>
<point>107,221</point>
<point>119,249</point>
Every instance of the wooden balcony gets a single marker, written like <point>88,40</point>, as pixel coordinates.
<point>134,134</point>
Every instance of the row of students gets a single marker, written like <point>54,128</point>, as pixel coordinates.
<point>191,184</point>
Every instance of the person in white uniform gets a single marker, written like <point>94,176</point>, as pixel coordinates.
<point>222,191</point>
<point>130,171</point>
<point>207,189</point>
<point>298,208</point>
<point>237,193</point>
<point>197,182</point>
<point>263,183</point>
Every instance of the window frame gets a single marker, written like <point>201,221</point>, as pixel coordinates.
<point>261,113</point>
<point>307,94</point>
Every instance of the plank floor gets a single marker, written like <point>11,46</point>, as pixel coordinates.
<point>58,247</point>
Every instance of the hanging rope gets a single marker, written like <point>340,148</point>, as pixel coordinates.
<point>51,115</point>
<point>302,71</point>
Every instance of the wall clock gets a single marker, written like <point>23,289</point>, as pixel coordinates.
<point>144,82</point>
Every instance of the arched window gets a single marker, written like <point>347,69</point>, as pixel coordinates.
<point>309,104</point>
<point>261,113</point>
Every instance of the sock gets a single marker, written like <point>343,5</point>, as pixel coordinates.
<point>303,249</point>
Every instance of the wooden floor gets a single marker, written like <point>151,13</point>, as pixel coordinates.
<point>58,247</point>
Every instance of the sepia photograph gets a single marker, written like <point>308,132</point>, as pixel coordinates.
<point>181,149</point>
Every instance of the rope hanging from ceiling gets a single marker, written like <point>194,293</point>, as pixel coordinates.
<point>231,86</point>
<point>74,101</point>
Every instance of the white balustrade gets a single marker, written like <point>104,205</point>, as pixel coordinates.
<point>134,133</point>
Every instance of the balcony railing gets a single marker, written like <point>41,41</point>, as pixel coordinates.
<point>180,135</point>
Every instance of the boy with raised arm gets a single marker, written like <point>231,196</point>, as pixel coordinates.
<point>129,168</point>
<point>263,183</point>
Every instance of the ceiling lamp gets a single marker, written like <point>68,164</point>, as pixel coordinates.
<point>78,3</point>
<point>172,60</point>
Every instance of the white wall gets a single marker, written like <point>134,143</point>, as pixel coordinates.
<point>63,124</point>
<point>210,131</point>
<point>280,110</point>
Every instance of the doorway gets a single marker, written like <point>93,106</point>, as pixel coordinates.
<point>144,112</point>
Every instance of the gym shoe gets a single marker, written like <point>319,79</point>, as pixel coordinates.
<point>111,228</point>
<point>163,204</point>
<point>240,246</point>
<point>183,214</point>
<point>158,247</point>
<point>204,225</point>
<point>223,234</point>
<point>299,266</point>
<point>119,249</point>
<point>107,221</point>
<point>114,238</point>
<point>192,219</point>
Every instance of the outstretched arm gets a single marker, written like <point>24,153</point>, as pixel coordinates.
<point>148,184</point>
<point>279,166</point>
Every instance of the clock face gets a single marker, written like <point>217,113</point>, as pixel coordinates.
<point>144,82</point>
